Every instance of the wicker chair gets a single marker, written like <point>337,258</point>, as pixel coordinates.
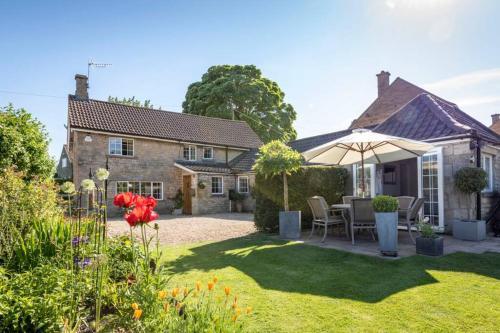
<point>412,216</point>
<point>362,216</point>
<point>324,216</point>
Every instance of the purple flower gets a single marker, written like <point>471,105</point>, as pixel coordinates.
<point>76,240</point>
<point>82,263</point>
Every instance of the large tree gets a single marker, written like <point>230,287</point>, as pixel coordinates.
<point>24,143</point>
<point>242,93</point>
<point>132,102</point>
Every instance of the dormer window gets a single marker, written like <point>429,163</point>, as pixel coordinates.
<point>121,147</point>
<point>189,153</point>
<point>208,153</point>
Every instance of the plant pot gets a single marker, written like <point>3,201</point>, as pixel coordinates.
<point>429,246</point>
<point>290,224</point>
<point>239,206</point>
<point>177,211</point>
<point>387,231</point>
<point>469,230</point>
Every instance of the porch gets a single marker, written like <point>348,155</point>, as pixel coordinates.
<point>367,246</point>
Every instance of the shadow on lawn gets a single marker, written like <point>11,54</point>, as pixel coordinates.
<point>300,268</point>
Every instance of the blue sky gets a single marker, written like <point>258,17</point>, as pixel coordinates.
<point>323,54</point>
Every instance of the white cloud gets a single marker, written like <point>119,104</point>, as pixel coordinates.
<point>468,79</point>
<point>480,100</point>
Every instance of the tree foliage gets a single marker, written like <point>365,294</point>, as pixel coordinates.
<point>132,102</point>
<point>24,144</point>
<point>276,158</point>
<point>470,180</point>
<point>242,93</point>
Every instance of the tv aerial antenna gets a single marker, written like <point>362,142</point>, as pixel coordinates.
<point>92,64</point>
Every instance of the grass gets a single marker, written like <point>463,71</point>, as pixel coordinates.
<point>294,287</point>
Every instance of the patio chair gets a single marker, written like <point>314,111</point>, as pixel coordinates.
<point>405,203</point>
<point>411,217</point>
<point>323,215</point>
<point>346,199</point>
<point>362,216</point>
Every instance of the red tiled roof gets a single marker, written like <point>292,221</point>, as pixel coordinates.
<point>123,119</point>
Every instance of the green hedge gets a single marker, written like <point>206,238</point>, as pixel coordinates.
<point>328,182</point>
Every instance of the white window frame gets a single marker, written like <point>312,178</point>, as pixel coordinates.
<point>438,151</point>
<point>212,186</point>
<point>211,153</point>
<point>372,179</point>
<point>191,148</point>
<point>248,184</point>
<point>121,143</point>
<point>140,183</point>
<point>64,162</point>
<point>484,157</point>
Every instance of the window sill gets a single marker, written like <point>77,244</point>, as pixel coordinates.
<point>121,156</point>
<point>220,195</point>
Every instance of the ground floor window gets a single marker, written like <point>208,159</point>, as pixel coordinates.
<point>243,184</point>
<point>487,165</point>
<point>217,185</point>
<point>154,189</point>
<point>369,189</point>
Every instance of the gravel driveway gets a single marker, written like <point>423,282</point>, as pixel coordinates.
<point>193,229</point>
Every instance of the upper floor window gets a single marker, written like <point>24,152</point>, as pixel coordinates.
<point>64,162</point>
<point>121,146</point>
<point>189,153</point>
<point>208,153</point>
<point>487,165</point>
<point>243,184</point>
<point>217,185</point>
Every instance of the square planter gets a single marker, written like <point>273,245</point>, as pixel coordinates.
<point>387,232</point>
<point>469,230</point>
<point>430,246</point>
<point>290,227</point>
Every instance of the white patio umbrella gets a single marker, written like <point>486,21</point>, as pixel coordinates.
<point>365,146</point>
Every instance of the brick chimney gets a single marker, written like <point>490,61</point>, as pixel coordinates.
<point>82,86</point>
<point>382,82</point>
<point>495,118</point>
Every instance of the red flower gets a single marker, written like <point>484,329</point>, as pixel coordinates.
<point>142,213</point>
<point>126,199</point>
<point>149,201</point>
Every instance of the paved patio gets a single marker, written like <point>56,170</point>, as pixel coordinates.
<point>364,244</point>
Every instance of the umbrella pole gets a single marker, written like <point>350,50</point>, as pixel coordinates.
<point>362,174</point>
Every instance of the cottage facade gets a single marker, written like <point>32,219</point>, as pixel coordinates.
<point>159,153</point>
<point>406,110</point>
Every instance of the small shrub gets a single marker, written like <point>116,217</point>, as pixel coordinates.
<point>385,204</point>
<point>121,253</point>
<point>470,180</point>
<point>236,196</point>
<point>425,229</point>
<point>178,200</point>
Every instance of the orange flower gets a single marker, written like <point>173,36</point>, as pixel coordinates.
<point>198,285</point>
<point>185,291</point>
<point>137,314</point>
<point>175,291</point>
<point>162,294</point>
<point>234,318</point>
<point>235,305</point>
<point>215,279</point>
<point>227,291</point>
<point>135,306</point>
<point>210,286</point>
<point>249,309</point>
<point>166,306</point>
<point>238,311</point>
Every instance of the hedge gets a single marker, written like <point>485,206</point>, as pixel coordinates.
<point>328,182</point>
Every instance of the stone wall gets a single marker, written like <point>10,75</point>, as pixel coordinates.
<point>153,160</point>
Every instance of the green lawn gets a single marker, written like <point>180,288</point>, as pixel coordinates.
<point>299,288</point>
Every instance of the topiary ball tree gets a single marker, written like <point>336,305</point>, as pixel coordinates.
<point>385,204</point>
<point>470,180</point>
<point>276,158</point>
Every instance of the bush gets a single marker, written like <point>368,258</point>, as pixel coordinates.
<point>328,182</point>
<point>385,204</point>
<point>471,180</point>
<point>236,196</point>
<point>22,203</point>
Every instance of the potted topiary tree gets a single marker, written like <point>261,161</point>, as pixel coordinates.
<point>386,217</point>
<point>470,181</point>
<point>428,243</point>
<point>277,159</point>
<point>237,198</point>
<point>178,202</point>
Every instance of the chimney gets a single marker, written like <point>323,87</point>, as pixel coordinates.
<point>382,82</point>
<point>495,118</point>
<point>82,86</point>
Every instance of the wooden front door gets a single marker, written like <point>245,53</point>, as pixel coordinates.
<point>186,191</point>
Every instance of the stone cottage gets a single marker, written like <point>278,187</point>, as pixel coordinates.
<point>159,153</point>
<point>406,110</point>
